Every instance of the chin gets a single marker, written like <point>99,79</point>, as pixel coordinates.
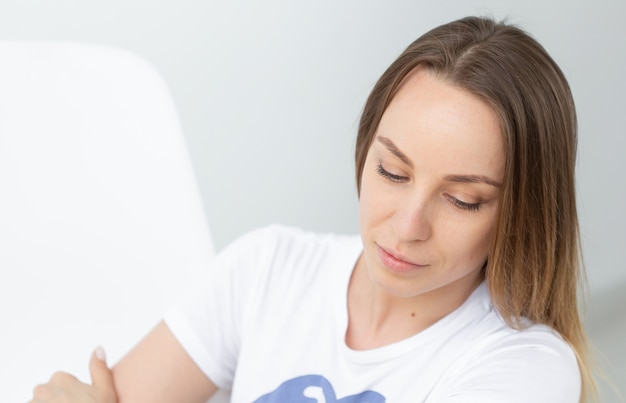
<point>396,287</point>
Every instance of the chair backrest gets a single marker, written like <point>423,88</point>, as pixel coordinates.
<point>101,223</point>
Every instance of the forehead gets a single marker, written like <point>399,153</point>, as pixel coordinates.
<point>444,126</point>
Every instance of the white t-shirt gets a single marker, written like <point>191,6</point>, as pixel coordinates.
<point>269,320</point>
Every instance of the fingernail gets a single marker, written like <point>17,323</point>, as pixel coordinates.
<point>100,353</point>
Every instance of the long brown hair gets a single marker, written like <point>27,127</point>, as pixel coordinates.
<point>534,266</point>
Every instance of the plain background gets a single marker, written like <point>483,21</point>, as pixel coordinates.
<point>269,94</point>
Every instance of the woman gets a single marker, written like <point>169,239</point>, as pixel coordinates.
<point>462,286</point>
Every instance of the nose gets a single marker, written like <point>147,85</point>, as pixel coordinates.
<point>412,220</point>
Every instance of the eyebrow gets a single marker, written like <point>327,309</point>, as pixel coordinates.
<point>450,178</point>
<point>472,179</point>
<point>394,150</point>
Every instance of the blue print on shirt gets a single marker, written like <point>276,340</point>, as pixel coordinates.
<point>314,389</point>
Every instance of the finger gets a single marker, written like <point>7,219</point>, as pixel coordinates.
<point>101,376</point>
<point>63,378</point>
<point>50,391</point>
<point>41,393</point>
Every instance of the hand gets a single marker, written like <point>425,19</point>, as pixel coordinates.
<point>65,388</point>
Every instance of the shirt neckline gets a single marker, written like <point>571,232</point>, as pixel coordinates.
<point>478,298</point>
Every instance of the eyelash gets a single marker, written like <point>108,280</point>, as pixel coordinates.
<point>388,175</point>
<point>401,179</point>
<point>463,205</point>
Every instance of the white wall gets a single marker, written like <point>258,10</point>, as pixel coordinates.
<point>270,92</point>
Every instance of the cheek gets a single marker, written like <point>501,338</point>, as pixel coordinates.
<point>482,237</point>
<point>366,192</point>
<point>480,249</point>
<point>468,242</point>
<point>366,207</point>
<point>373,202</point>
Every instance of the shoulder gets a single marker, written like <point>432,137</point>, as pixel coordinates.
<point>291,243</point>
<point>533,364</point>
<point>535,347</point>
<point>504,364</point>
<point>269,253</point>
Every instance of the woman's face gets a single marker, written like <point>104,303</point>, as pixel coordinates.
<point>430,189</point>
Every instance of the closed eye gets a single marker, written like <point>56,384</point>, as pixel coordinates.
<point>388,175</point>
<point>463,205</point>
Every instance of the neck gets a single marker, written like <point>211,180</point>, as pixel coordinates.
<point>378,318</point>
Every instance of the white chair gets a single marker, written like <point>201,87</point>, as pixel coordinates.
<point>101,223</point>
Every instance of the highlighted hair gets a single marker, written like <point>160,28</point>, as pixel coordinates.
<point>534,267</point>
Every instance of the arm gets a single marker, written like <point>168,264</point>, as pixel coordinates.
<point>159,370</point>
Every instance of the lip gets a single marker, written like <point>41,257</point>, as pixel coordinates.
<point>396,262</point>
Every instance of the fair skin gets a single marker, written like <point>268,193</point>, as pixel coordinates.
<point>157,370</point>
<point>428,205</point>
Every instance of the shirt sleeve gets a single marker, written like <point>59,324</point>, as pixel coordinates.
<point>207,320</point>
<point>530,366</point>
